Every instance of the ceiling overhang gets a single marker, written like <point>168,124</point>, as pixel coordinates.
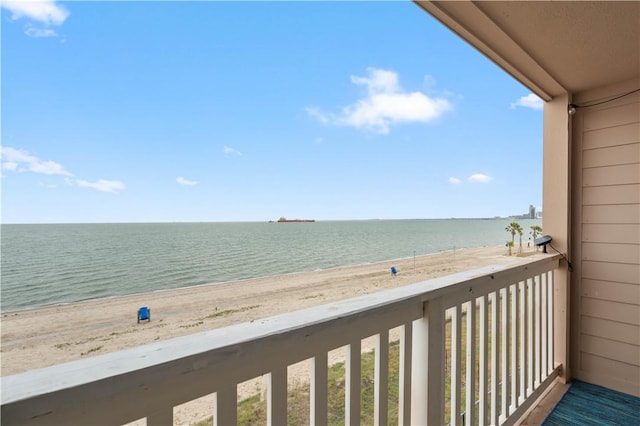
<point>550,47</point>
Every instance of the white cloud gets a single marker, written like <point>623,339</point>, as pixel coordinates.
<point>9,165</point>
<point>183,181</point>
<point>44,11</point>
<point>480,178</point>
<point>102,185</point>
<point>19,160</point>
<point>454,181</point>
<point>40,32</point>
<point>379,81</point>
<point>385,105</point>
<point>530,101</point>
<point>228,151</point>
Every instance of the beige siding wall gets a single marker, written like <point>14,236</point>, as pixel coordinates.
<point>605,288</point>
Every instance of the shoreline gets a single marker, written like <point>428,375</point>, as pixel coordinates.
<point>239,281</point>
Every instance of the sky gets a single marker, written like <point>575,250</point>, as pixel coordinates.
<point>249,111</point>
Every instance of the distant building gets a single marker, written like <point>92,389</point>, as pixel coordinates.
<point>532,214</point>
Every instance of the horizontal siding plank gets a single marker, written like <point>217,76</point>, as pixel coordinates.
<point>616,272</point>
<point>611,136</point>
<point>617,194</point>
<point>611,233</point>
<point>611,252</point>
<point>610,117</point>
<point>614,292</point>
<point>626,333</point>
<point>611,156</point>
<point>611,175</point>
<point>615,369</point>
<point>610,349</point>
<point>620,213</point>
<point>613,311</point>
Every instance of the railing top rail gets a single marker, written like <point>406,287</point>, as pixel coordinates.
<point>400,304</point>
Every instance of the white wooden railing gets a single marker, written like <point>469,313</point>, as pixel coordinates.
<point>506,314</point>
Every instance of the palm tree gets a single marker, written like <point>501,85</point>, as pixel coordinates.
<point>512,229</point>
<point>520,231</point>
<point>535,231</point>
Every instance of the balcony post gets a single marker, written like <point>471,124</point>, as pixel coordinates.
<point>556,201</point>
<point>427,370</point>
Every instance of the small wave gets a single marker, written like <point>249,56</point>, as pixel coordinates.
<point>52,264</point>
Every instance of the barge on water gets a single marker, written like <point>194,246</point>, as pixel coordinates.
<point>285,220</point>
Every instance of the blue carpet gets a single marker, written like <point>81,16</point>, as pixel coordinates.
<point>590,405</point>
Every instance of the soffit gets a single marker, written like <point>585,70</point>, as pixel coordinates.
<point>551,47</point>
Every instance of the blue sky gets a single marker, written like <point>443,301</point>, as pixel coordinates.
<point>238,111</point>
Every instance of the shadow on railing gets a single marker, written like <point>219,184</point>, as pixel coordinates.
<point>505,314</point>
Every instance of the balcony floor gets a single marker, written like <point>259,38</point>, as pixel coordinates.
<point>585,405</point>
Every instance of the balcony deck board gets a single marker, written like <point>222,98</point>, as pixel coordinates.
<point>585,404</point>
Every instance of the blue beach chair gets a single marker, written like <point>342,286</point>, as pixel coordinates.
<point>144,313</point>
<point>394,271</point>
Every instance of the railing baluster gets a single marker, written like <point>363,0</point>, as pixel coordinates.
<point>318,412</point>
<point>523,341</point>
<point>550,292</point>
<point>277,396</point>
<point>456,360</point>
<point>515,343</point>
<point>352,384</point>
<point>538,350</point>
<point>226,404</point>
<point>483,355</point>
<point>504,317</point>
<point>543,330</point>
<point>530,336</point>
<point>495,350</point>
<point>470,392</point>
<point>381,381</point>
<point>435,350</point>
<point>404,375</point>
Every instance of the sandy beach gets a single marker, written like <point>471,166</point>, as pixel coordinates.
<point>47,336</point>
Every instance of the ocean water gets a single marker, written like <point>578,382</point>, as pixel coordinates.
<point>62,263</point>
